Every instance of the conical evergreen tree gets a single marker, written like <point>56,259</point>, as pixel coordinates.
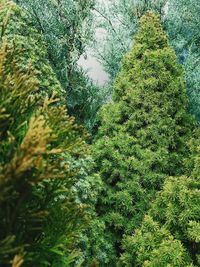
<point>143,131</point>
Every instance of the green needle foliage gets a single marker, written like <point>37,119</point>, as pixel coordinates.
<point>67,29</point>
<point>170,234</point>
<point>66,26</point>
<point>143,132</point>
<point>154,246</point>
<point>181,21</point>
<point>39,215</point>
<point>17,27</point>
<point>182,24</point>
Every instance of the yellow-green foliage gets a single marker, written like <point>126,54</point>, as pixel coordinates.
<point>153,246</point>
<point>16,28</point>
<point>39,218</point>
<point>143,132</point>
<point>170,234</point>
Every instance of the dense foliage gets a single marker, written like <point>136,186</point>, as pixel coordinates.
<point>180,19</point>
<point>37,140</point>
<point>143,132</point>
<point>170,233</point>
<point>67,28</point>
<point>182,24</point>
<point>131,196</point>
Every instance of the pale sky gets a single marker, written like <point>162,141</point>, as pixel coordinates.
<point>95,70</point>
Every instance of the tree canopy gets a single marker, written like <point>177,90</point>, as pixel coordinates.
<point>127,194</point>
<point>142,136</point>
<point>37,140</point>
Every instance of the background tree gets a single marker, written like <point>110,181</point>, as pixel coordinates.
<point>182,24</point>
<point>40,218</point>
<point>67,28</point>
<point>143,132</point>
<point>119,21</point>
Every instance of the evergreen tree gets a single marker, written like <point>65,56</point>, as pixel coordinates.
<point>66,27</point>
<point>180,19</point>
<point>182,24</point>
<point>17,28</point>
<point>170,234</point>
<point>143,132</point>
<point>39,215</point>
<point>120,22</point>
